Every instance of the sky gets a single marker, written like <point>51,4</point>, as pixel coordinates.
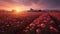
<point>27,4</point>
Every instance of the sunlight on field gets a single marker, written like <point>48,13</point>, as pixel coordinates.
<point>17,11</point>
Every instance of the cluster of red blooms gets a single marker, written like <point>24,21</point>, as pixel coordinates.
<point>44,24</point>
<point>35,24</point>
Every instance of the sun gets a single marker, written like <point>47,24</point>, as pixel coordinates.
<point>17,10</point>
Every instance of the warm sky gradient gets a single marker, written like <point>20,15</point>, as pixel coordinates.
<point>27,4</point>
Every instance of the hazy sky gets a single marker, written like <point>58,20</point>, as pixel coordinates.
<point>27,4</point>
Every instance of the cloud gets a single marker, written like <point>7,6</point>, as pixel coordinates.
<point>39,4</point>
<point>52,3</point>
